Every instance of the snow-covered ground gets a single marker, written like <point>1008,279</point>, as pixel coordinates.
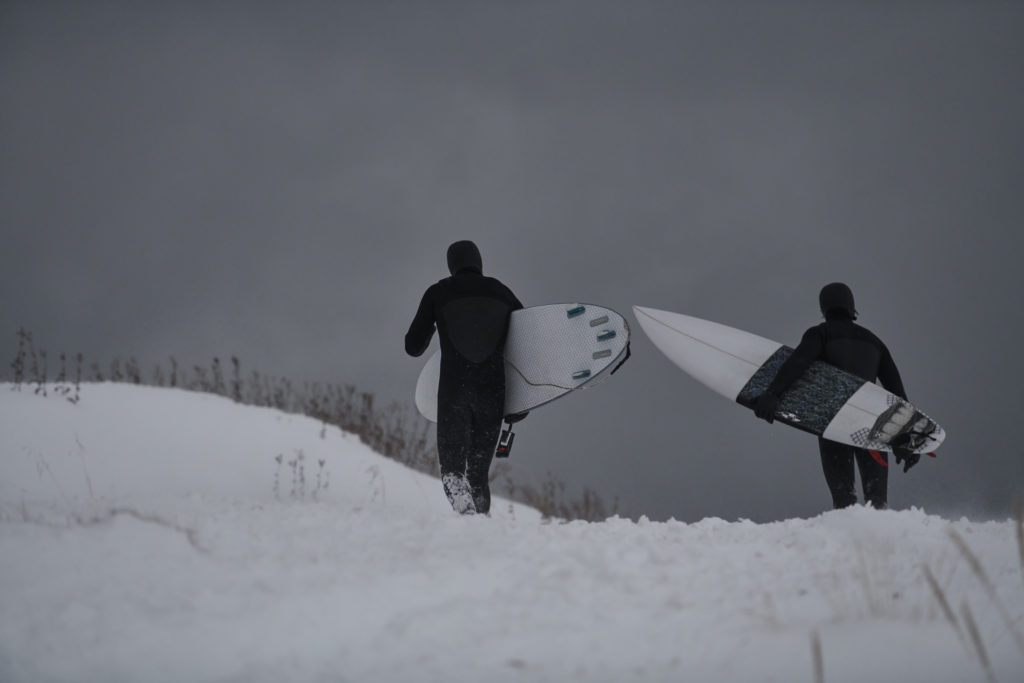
<point>150,535</point>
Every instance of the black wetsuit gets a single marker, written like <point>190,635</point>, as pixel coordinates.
<point>471,313</point>
<point>843,343</point>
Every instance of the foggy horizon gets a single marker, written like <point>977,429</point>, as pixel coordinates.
<point>280,184</point>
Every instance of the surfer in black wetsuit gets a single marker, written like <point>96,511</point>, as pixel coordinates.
<point>471,314</point>
<point>850,347</point>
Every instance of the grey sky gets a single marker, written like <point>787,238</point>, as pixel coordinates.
<point>280,182</point>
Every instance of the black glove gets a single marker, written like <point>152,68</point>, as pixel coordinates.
<point>908,458</point>
<point>516,417</point>
<point>765,406</point>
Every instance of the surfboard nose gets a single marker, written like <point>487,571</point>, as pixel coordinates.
<point>718,356</point>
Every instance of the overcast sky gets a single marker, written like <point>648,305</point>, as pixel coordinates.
<point>280,181</point>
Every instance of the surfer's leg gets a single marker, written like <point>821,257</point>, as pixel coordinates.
<point>478,466</point>
<point>837,464</point>
<point>477,475</point>
<point>454,428</point>
<point>874,478</point>
<point>488,409</point>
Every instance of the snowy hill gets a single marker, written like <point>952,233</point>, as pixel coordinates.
<point>151,535</point>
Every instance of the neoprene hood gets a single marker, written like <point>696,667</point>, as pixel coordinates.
<point>837,296</point>
<point>464,255</point>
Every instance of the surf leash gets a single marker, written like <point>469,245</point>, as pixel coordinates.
<point>877,456</point>
<point>505,442</point>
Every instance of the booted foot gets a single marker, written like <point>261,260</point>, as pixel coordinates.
<point>459,493</point>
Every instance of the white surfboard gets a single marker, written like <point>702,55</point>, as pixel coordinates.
<point>826,401</point>
<point>550,351</point>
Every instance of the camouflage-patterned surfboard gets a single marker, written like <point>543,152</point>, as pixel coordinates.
<point>825,401</point>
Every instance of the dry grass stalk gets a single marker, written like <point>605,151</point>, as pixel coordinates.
<point>990,589</point>
<point>816,657</point>
<point>979,647</point>
<point>1017,516</point>
<point>940,597</point>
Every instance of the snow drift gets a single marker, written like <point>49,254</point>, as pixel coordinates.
<point>159,535</point>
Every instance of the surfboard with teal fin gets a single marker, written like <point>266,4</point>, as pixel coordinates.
<point>550,352</point>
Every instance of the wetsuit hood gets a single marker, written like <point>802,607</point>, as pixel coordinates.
<point>464,255</point>
<point>837,297</point>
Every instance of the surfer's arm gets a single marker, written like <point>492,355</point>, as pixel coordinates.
<point>515,303</point>
<point>809,350</point>
<point>417,339</point>
<point>889,376</point>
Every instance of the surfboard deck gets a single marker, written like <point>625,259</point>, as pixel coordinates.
<point>825,401</point>
<point>550,351</point>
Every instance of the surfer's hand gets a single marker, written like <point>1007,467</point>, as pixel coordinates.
<point>907,458</point>
<point>765,406</point>
<point>516,417</point>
